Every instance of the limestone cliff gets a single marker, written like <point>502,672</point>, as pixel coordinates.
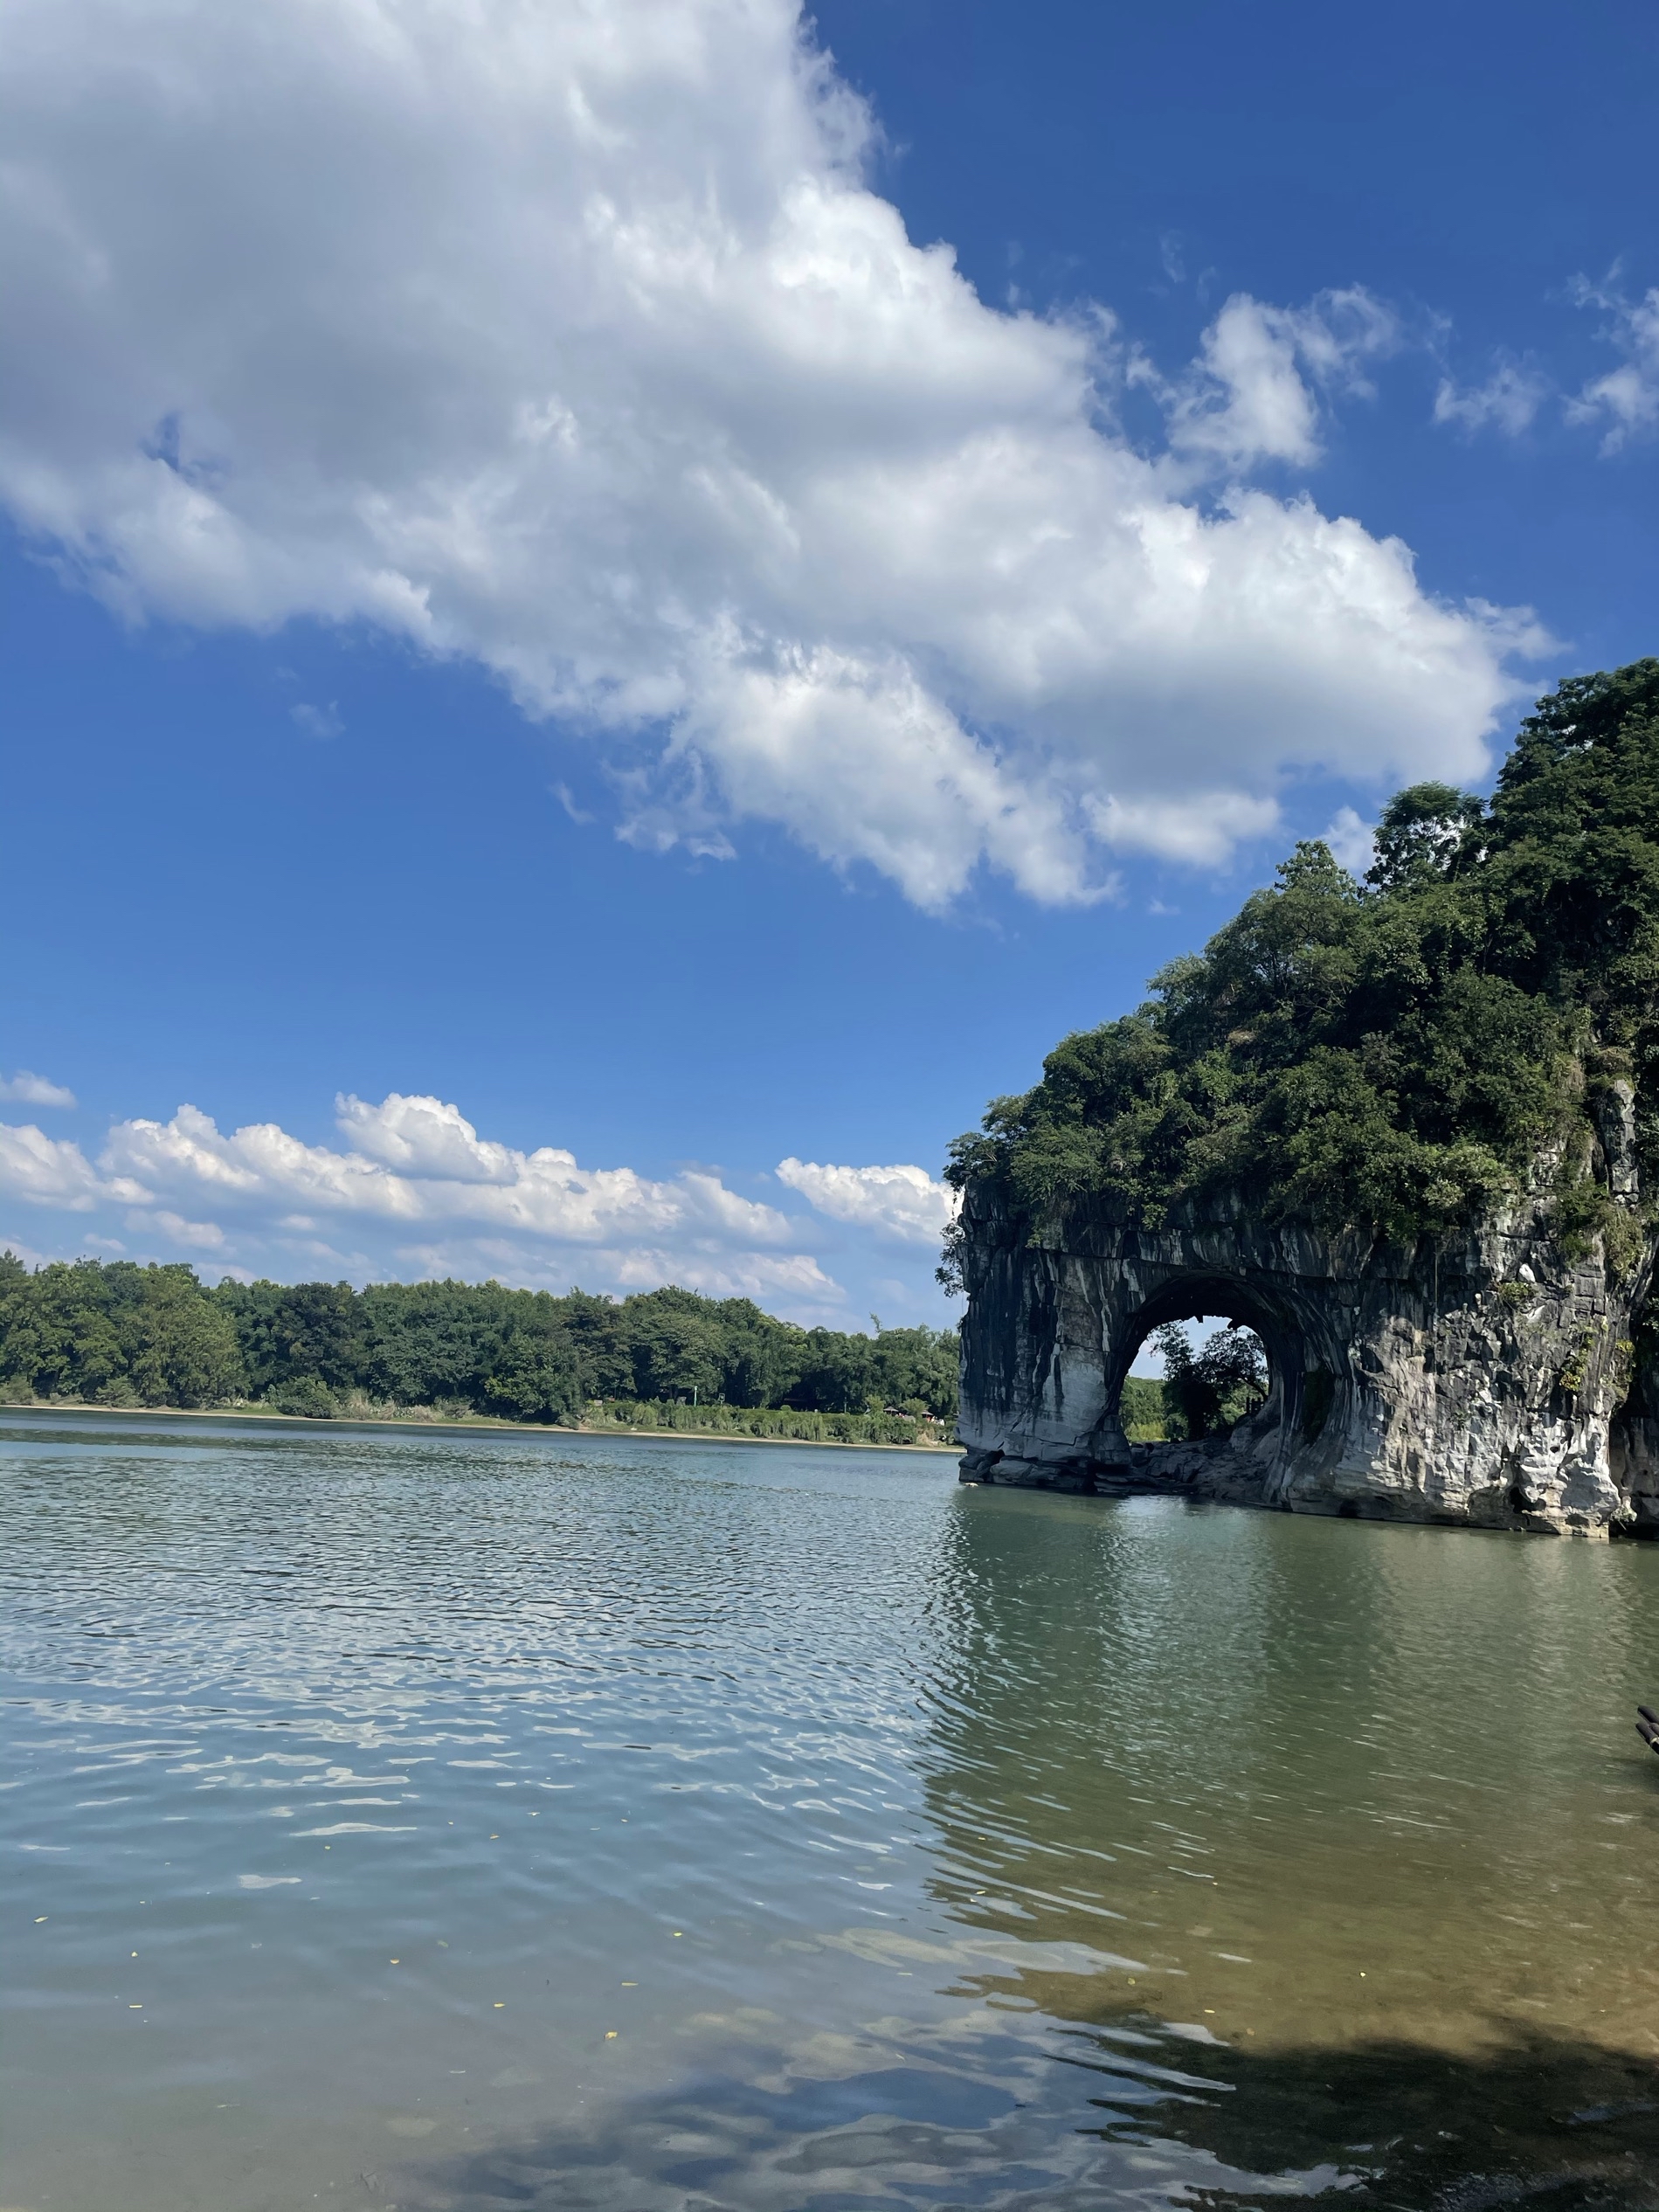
<point>1456,1056</point>
<point>1480,1376</point>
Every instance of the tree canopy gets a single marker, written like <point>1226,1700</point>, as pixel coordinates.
<point>1390,1054</point>
<point>1206,1392</point>
<point>116,1333</point>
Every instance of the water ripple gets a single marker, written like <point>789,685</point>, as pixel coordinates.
<point>460,1821</point>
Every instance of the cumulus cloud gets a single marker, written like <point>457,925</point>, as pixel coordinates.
<point>902,1203</point>
<point>1254,393</point>
<point>47,1170</point>
<point>1199,827</point>
<point>1626,400</point>
<point>413,1189</point>
<point>1508,401</point>
<point>572,339</point>
<point>193,1236</point>
<point>26,1089</point>
<point>51,1171</point>
<point>417,1162</point>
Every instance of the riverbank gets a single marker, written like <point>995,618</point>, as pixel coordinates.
<point>114,1333</point>
<point>425,1422</point>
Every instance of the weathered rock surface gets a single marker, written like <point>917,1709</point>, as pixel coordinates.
<point>1482,1377</point>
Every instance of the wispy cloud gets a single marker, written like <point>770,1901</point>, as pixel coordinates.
<point>1509,400</point>
<point>1623,403</point>
<point>317,722</point>
<point>1254,394</point>
<point>26,1089</point>
<point>1626,400</point>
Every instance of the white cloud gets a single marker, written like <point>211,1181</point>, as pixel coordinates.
<point>1352,840</point>
<point>903,1203</point>
<point>194,1236</point>
<point>20,1248</point>
<point>425,1137</point>
<point>1626,398</point>
<point>1247,398</point>
<point>570,339</point>
<point>1508,401</point>
<point>26,1089</point>
<point>415,1164</point>
<point>790,1283</point>
<point>51,1171</point>
<point>1199,828</point>
<point>414,1190</point>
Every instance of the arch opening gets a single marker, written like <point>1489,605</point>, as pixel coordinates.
<point>1212,1379</point>
<point>1243,1387</point>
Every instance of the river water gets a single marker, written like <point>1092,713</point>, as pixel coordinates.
<point>434,1819</point>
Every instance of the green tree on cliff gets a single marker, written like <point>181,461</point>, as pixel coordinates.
<point>1389,1055</point>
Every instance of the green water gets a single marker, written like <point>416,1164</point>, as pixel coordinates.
<point>470,1822</point>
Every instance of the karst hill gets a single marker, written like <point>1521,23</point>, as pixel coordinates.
<point>1405,1129</point>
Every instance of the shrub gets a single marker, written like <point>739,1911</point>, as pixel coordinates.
<point>306,1396</point>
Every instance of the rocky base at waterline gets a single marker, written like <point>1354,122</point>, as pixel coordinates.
<point>1486,1377</point>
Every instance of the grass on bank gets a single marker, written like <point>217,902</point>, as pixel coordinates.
<point>1147,1416</point>
<point>616,1416</point>
<point>781,1422</point>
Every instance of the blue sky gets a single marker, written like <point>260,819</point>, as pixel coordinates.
<point>652,587</point>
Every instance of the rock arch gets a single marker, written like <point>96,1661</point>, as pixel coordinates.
<point>1194,1296</point>
<point>1187,1297</point>
<point>1471,1378</point>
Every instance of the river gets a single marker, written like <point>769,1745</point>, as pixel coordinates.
<point>459,1821</point>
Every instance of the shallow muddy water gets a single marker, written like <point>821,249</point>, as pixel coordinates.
<point>446,1820</point>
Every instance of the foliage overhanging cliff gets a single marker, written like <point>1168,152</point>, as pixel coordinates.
<point>1394,1055</point>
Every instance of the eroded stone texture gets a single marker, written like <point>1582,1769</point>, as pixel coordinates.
<point>1482,1377</point>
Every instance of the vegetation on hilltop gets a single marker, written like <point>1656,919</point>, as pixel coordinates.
<point>1394,1053</point>
<point>115,1333</point>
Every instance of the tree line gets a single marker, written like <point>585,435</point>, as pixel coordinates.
<point>116,1333</point>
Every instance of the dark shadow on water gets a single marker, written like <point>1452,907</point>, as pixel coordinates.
<point>1092,2117</point>
<point>1543,2119</point>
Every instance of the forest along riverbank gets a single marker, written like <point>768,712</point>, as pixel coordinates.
<point>114,1333</point>
<point>463,1810</point>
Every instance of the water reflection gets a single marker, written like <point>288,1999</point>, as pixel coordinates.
<point>1349,1762</point>
<point>1130,2116</point>
<point>447,1823</point>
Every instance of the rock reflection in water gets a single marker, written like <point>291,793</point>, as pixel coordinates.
<point>1322,1784</point>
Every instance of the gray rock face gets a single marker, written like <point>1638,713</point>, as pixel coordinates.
<point>1482,1377</point>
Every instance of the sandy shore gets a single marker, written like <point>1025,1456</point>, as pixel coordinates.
<point>481,1425</point>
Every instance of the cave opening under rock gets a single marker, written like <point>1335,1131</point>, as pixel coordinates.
<point>1246,1376</point>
